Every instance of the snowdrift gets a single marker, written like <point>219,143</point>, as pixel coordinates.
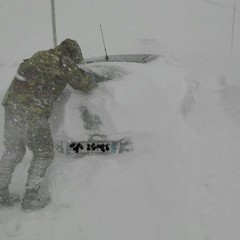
<point>181,181</point>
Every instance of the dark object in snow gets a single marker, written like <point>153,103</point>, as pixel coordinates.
<point>91,121</point>
<point>94,147</point>
<point>137,58</point>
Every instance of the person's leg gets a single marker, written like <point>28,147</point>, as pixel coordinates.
<point>40,142</point>
<point>15,148</point>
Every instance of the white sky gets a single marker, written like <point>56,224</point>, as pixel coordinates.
<point>186,26</point>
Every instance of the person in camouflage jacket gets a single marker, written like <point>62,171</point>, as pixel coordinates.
<point>28,105</point>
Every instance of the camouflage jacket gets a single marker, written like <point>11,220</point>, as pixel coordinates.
<point>41,79</point>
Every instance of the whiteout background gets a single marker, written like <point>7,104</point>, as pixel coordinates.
<point>182,180</point>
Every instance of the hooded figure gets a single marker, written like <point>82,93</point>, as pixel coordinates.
<point>28,104</point>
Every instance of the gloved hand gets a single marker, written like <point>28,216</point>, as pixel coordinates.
<point>107,73</point>
<point>99,78</point>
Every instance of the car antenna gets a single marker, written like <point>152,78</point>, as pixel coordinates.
<point>106,57</point>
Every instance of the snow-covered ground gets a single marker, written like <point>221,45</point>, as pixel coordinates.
<point>182,111</point>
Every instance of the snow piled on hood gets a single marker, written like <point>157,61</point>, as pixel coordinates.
<point>181,180</point>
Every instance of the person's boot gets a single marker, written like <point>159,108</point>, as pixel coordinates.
<point>8,199</point>
<point>32,200</point>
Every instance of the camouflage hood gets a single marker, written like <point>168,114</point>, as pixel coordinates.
<point>72,50</point>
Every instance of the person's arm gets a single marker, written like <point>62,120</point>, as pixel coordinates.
<point>80,80</point>
<point>77,78</point>
<point>97,77</point>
